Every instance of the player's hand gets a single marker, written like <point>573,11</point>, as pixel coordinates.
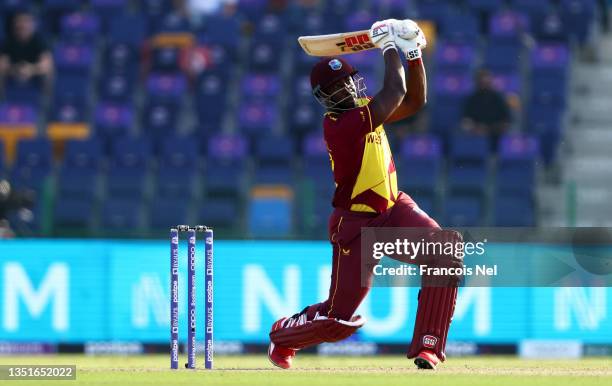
<point>382,34</point>
<point>409,38</point>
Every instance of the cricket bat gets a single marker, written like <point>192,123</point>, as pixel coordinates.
<point>337,44</point>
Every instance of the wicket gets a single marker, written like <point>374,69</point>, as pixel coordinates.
<point>191,295</point>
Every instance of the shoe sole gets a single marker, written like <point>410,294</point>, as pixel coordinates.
<point>424,364</point>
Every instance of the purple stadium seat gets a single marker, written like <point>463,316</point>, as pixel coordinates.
<point>314,146</point>
<point>260,85</point>
<point>359,20</point>
<point>33,163</point>
<point>116,87</point>
<point>508,24</point>
<point>303,61</point>
<point>68,110</point>
<point>503,55</point>
<point>463,210</point>
<point>508,83</point>
<point>304,117</point>
<point>17,114</point>
<point>420,164</point>
<point>460,27</point>
<point>301,88</point>
<point>252,9</point>
<point>263,57</point>
<point>366,61</point>
<point>169,87</point>
<point>534,9</point>
<point>127,29</point>
<point>455,56</point>
<point>550,56</point>
<point>270,27</point>
<point>453,85</point>
<point>227,147</point>
<point>257,117</point>
<point>80,26</point>
<point>73,57</point>
<point>516,165</point>
<point>484,5</point>
<point>159,119</point>
<point>121,57</point>
<point>577,16</point>
<point>274,150</point>
<point>165,59</point>
<point>113,119</point>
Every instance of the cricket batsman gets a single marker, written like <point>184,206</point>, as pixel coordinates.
<point>366,195</point>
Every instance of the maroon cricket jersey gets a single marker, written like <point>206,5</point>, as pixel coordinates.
<point>361,160</point>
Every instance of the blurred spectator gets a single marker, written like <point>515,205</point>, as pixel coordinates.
<point>486,111</point>
<point>25,58</point>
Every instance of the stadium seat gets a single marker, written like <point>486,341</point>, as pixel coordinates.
<point>79,172</point>
<point>2,160</point>
<point>113,120</point>
<point>270,27</point>
<point>502,55</point>
<point>257,118</point>
<point>33,164</point>
<point>160,119</point>
<point>116,86</point>
<point>263,57</point>
<point>420,164</point>
<point>468,163</point>
<point>127,175</point>
<point>178,168</point>
<point>513,211</point>
<point>223,212</point>
<point>260,86</point>
<point>166,87</point>
<point>508,25</point>
<point>68,110</point>
<point>517,164</point>
<point>225,166</point>
<point>121,215</point>
<point>165,59</point>
<point>121,58</point>
<point>577,16</point>
<point>128,29</point>
<point>463,210</point>
<point>460,57</point>
<point>165,212</point>
<point>80,27</point>
<point>220,29</point>
<point>274,150</point>
<point>484,5</point>
<point>459,27</point>
<point>73,212</point>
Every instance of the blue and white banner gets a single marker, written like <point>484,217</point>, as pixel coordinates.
<point>76,291</point>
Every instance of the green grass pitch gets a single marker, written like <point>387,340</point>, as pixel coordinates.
<point>317,370</point>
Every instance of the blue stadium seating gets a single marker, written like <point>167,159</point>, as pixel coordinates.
<point>463,210</point>
<point>468,163</point>
<point>517,164</point>
<point>128,170</point>
<point>121,214</point>
<point>128,29</point>
<point>513,210</point>
<point>178,167</point>
<point>2,160</point>
<point>223,212</point>
<point>80,170</point>
<point>577,16</point>
<point>73,212</point>
<point>165,212</point>
<point>33,164</point>
<point>420,166</point>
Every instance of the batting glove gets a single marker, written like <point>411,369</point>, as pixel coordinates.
<point>409,38</point>
<point>382,34</point>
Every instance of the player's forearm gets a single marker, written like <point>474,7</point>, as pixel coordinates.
<point>416,86</point>
<point>394,80</point>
